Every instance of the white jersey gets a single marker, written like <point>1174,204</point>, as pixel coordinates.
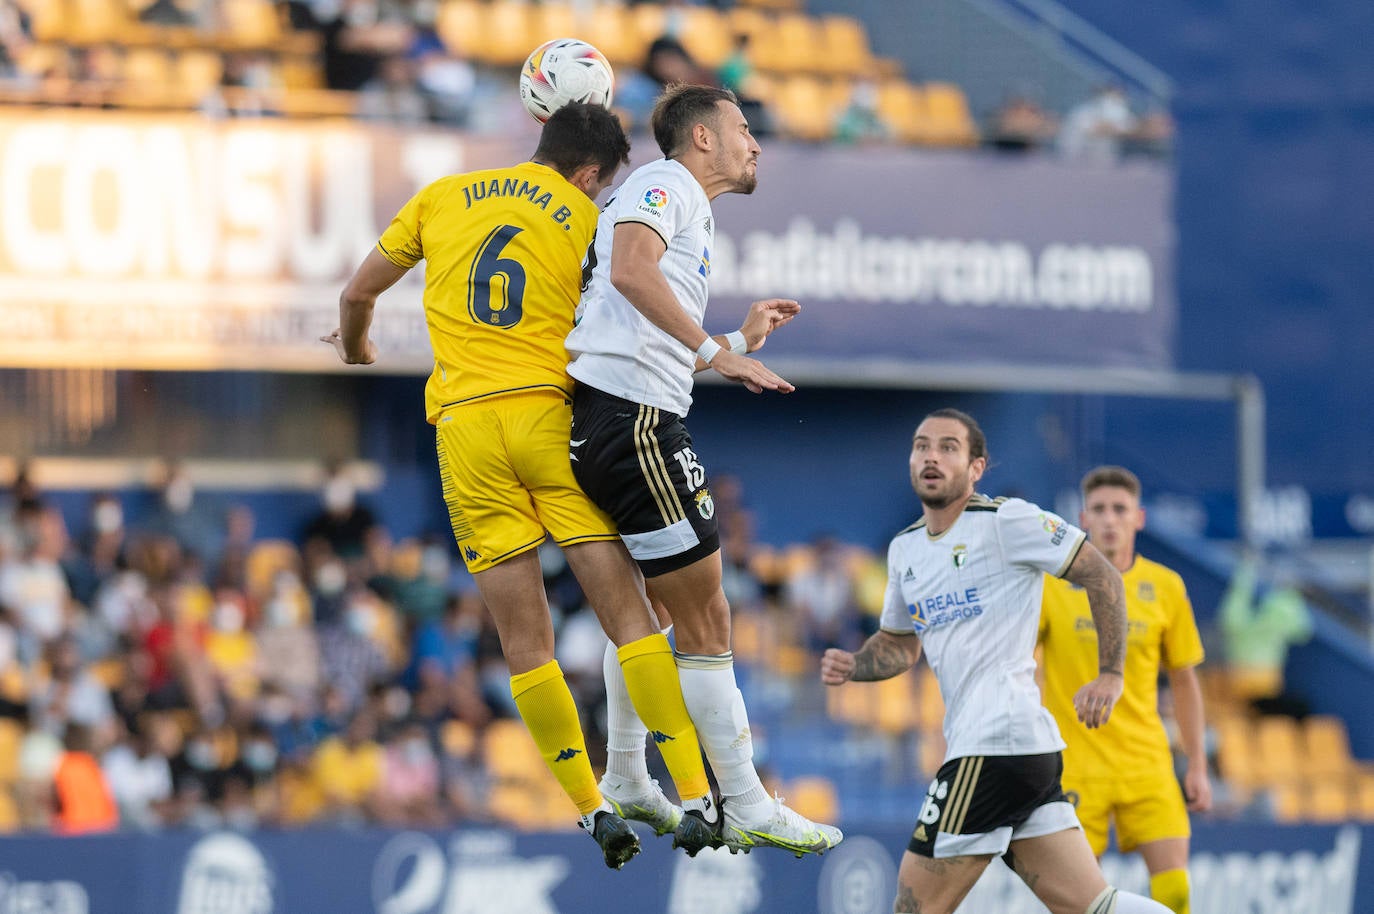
<point>972,594</point>
<point>615,348</point>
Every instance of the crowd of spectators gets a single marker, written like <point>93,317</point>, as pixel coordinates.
<point>181,670</point>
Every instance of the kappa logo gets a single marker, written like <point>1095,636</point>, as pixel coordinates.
<point>960,555</point>
<point>660,737</point>
<point>706,506</point>
<point>471,554</point>
<point>568,753</point>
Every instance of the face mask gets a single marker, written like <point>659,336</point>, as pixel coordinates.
<point>280,614</point>
<point>330,578</point>
<point>201,755</point>
<point>360,622</point>
<point>108,517</point>
<point>260,756</point>
<point>435,563</point>
<point>228,618</point>
<point>338,495</point>
<point>179,494</point>
<point>415,751</point>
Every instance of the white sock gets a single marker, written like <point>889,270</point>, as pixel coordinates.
<point>1113,901</point>
<point>717,709</point>
<point>625,732</point>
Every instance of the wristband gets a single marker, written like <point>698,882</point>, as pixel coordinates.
<point>708,350</point>
<point>736,342</point>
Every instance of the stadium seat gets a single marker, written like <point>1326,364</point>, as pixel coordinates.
<point>459,25</point>
<point>792,46</point>
<point>903,107</point>
<point>509,753</point>
<point>550,21</point>
<point>814,797</point>
<point>1326,747</point>
<point>647,22</point>
<point>251,23</point>
<point>507,34</point>
<point>744,20</point>
<point>148,75</point>
<point>844,48</point>
<point>930,701</point>
<point>1289,802</point>
<point>1329,801</point>
<point>198,71</point>
<point>265,561</point>
<point>1277,744</point>
<point>1364,795</point>
<point>93,21</point>
<point>706,35</point>
<point>609,27</point>
<point>11,736</point>
<point>1236,753</point>
<point>807,106</point>
<point>950,123</point>
<point>898,709</point>
<point>9,812</point>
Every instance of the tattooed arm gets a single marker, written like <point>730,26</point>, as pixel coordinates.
<point>1107,602</point>
<point>883,656</point>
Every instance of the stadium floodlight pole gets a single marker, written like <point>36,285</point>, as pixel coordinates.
<point>1250,457</point>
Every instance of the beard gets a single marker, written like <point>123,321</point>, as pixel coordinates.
<point>949,491</point>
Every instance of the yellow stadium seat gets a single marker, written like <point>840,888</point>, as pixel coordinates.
<point>903,107</point>
<point>792,46</point>
<point>898,710</point>
<point>1277,746</point>
<point>743,20</point>
<point>301,73</point>
<point>1289,802</point>
<point>251,23</point>
<point>1329,801</point>
<point>516,804</point>
<point>609,27</point>
<point>929,699</point>
<point>552,20</point>
<point>1364,795</point>
<point>198,71</point>
<point>950,123</point>
<point>509,752</point>
<point>459,24</point>
<point>148,71</point>
<point>265,561</point>
<point>814,797</point>
<point>93,21</point>
<point>11,735</point>
<point>1327,747</point>
<point>705,35</point>
<point>844,48</point>
<point>1236,752</point>
<point>647,21</point>
<point>507,34</point>
<point>807,107</point>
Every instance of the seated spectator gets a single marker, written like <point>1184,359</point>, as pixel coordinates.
<point>1020,125</point>
<point>348,771</point>
<point>393,95</point>
<point>357,34</point>
<point>288,650</point>
<point>351,659</point>
<point>665,62</point>
<point>139,773</point>
<point>34,588</point>
<point>343,523</point>
<point>409,786</point>
<point>16,35</point>
<point>231,649</point>
<point>72,695</point>
<point>446,82</point>
<point>859,122</point>
<point>1095,129</point>
<point>1258,633</point>
<point>822,596</point>
<point>83,803</point>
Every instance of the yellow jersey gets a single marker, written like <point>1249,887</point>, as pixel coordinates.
<point>1161,634</point>
<point>503,251</point>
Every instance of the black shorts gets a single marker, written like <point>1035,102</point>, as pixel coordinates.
<point>636,462</point>
<point>980,804</point>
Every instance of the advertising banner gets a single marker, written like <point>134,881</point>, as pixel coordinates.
<point>175,242</point>
<point>1236,869</point>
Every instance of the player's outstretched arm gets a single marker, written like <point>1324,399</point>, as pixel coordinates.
<point>374,276</point>
<point>883,656</point>
<point>1107,601</point>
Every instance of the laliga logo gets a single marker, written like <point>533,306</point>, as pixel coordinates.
<point>656,197</point>
<point>225,874</point>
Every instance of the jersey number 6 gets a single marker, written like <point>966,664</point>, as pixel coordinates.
<point>501,305</point>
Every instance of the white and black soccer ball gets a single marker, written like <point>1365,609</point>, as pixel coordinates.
<point>564,70</point>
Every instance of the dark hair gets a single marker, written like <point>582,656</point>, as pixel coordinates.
<point>1116,477</point>
<point>680,108</point>
<point>977,441</point>
<point>580,133</point>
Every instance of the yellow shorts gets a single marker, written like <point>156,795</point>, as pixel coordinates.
<point>1143,809</point>
<point>504,466</point>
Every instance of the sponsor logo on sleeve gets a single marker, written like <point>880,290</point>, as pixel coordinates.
<point>653,202</point>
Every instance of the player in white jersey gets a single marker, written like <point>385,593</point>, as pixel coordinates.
<point>964,583</point>
<point>640,321</point>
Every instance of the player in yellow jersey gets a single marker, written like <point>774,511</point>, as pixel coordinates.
<point>1123,771</point>
<point>504,250</point>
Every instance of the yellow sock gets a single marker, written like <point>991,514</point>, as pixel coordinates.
<point>652,680</point>
<point>1170,888</point>
<point>549,712</point>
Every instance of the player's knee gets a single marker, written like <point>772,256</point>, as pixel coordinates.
<point>1170,888</point>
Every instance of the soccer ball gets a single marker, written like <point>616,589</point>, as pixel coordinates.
<point>561,71</point>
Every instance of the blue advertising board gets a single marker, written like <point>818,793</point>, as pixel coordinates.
<point>1236,869</point>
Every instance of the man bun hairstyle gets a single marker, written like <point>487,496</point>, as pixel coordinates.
<point>977,441</point>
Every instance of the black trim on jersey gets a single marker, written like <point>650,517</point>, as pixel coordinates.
<point>980,502</point>
<point>507,390</point>
<point>657,231</point>
<point>1068,563</point>
<point>916,526</point>
<point>391,258</point>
